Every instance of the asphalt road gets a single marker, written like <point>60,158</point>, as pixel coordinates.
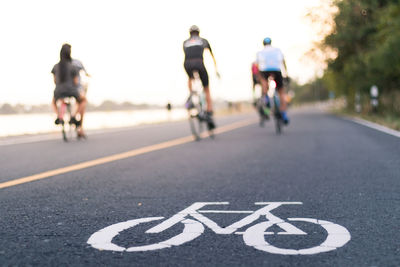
<point>340,171</point>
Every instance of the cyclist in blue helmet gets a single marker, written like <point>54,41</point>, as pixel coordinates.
<point>271,62</point>
<point>267,41</point>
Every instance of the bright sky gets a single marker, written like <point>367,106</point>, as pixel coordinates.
<point>133,49</point>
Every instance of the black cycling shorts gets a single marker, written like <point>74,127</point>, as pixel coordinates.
<point>193,65</point>
<point>67,91</point>
<point>276,75</point>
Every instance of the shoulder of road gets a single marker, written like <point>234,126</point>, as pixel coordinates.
<point>372,121</point>
<point>388,124</point>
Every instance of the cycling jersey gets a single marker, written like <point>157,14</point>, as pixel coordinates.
<point>79,66</point>
<point>69,79</point>
<point>270,59</point>
<point>67,87</point>
<point>194,47</point>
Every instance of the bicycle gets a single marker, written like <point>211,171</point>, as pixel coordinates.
<point>263,107</point>
<point>276,107</point>
<point>65,107</point>
<point>254,236</point>
<point>262,110</point>
<point>196,107</point>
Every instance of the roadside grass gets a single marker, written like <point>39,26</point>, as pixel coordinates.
<point>388,119</point>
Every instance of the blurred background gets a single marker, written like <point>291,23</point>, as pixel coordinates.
<point>133,51</point>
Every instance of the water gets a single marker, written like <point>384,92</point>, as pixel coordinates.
<point>21,124</point>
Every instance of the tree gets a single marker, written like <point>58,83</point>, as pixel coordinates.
<point>366,39</point>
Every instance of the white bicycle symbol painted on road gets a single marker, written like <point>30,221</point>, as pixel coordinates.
<point>254,236</point>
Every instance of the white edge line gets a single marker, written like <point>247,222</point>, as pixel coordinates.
<point>30,139</point>
<point>375,126</point>
<point>56,135</point>
<point>42,137</point>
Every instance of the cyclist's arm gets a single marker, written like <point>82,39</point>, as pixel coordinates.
<point>53,71</point>
<point>207,46</point>
<point>86,73</point>
<point>212,55</point>
<point>215,62</point>
<point>80,66</point>
<point>284,65</point>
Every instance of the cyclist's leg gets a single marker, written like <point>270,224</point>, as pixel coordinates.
<point>189,70</point>
<point>281,91</point>
<point>264,75</point>
<point>208,99</point>
<point>282,96</point>
<point>83,102</point>
<point>190,81</point>
<point>206,87</point>
<point>264,82</point>
<point>56,98</point>
<point>81,106</point>
<point>54,105</point>
<point>204,80</point>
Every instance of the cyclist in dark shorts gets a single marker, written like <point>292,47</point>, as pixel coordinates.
<point>271,62</point>
<point>66,78</point>
<point>194,48</point>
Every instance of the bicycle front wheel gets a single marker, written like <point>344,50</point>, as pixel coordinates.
<point>196,124</point>
<point>278,124</point>
<point>277,116</point>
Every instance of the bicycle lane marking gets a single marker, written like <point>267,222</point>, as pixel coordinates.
<point>254,236</point>
<point>120,156</point>
<point>102,239</point>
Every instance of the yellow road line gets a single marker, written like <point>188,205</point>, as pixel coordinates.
<point>124,155</point>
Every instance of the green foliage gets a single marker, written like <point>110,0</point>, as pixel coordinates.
<point>310,92</point>
<point>384,60</point>
<point>366,37</point>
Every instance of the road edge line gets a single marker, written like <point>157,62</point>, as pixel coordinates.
<point>374,126</point>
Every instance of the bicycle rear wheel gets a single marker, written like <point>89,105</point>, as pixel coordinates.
<point>211,133</point>
<point>278,124</point>
<point>64,134</point>
<point>260,110</point>
<point>277,116</point>
<point>70,125</point>
<point>61,110</point>
<point>69,130</point>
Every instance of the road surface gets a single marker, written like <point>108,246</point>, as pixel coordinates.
<point>55,197</point>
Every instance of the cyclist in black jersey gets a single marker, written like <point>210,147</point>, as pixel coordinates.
<point>194,48</point>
